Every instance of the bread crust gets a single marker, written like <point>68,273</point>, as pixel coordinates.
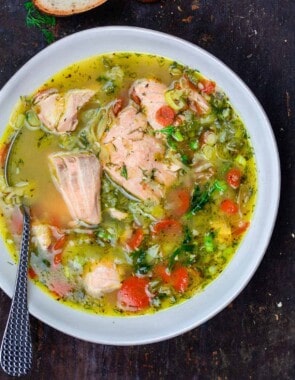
<point>49,7</point>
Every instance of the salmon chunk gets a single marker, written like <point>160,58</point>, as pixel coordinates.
<point>151,95</point>
<point>103,278</point>
<point>134,159</point>
<point>197,102</point>
<point>130,125</point>
<point>77,176</point>
<point>59,112</point>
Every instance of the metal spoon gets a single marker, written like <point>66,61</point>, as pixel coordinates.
<point>16,347</point>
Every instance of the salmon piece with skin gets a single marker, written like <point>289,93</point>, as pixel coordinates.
<point>77,176</point>
<point>151,95</point>
<point>49,107</point>
<point>133,159</point>
<point>59,112</point>
<point>103,278</point>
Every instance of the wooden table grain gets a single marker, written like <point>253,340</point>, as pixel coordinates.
<point>253,338</point>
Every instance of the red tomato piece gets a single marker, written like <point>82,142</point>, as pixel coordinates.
<point>241,227</point>
<point>178,278</point>
<point>59,244</point>
<point>32,274</point>
<point>229,207</point>
<point>162,272</point>
<point>133,294</point>
<point>178,202</point>
<point>3,154</point>
<point>57,258</point>
<point>233,177</point>
<point>165,116</point>
<point>209,86</point>
<point>167,225</point>
<point>136,239</point>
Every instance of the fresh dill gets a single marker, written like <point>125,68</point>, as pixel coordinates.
<point>124,172</point>
<point>36,19</point>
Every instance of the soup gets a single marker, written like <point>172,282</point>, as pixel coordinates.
<point>140,178</point>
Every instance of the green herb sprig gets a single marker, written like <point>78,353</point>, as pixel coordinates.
<point>124,172</point>
<point>185,253</point>
<point>201,198</point>
<point>173,132</point>
<point>36,19</point>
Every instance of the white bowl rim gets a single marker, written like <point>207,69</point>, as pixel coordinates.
<point>171,322</point>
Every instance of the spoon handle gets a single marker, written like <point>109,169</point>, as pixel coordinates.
<point>16,347</point>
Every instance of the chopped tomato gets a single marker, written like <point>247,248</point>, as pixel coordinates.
<point>229,207</point>
<point>59,244</point>
<point>178,202</point>
<point>165,115</point>
<point>209,86</point>
<point>241,227</point>
<point>3,154</point>
<point>57,258</point>
<point>136,239</point>
<point>133,294</point>
<point>162,272</point>
<point>233,177</point>
<point>178,277</point>
<point>167,225</point>
<point>31,273</point>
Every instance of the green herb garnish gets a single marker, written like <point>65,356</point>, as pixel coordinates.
<point>140,262</point>
<point>34,18</point>
<point>184,249</point>
<point>124,172</point>
<point>109,85</point>
<point>201,198</point>
<point>184,252</point>
<point>184,159</point>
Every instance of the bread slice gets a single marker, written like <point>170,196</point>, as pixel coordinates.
<point>66,7</point>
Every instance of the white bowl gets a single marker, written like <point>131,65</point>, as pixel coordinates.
<point>178,319</point>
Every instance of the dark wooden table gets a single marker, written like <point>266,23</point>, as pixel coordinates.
<point>253,338</point>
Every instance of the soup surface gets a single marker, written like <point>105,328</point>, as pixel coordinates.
<point>140,178</point>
